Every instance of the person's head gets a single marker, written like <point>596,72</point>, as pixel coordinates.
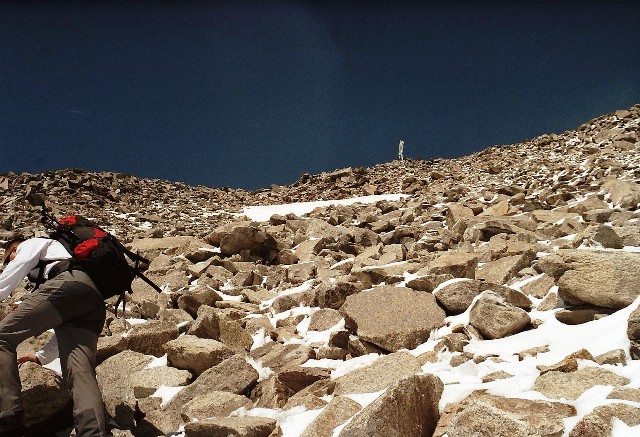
<point>10,248</point>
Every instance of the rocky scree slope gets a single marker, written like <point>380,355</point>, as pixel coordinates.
<point>345,318</point>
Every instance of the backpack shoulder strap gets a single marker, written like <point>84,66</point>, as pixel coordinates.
<point>40,279</point>
<point>63,264</point>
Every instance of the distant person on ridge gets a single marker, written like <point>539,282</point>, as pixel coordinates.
<point>401,150</point>
<point>69,303</point>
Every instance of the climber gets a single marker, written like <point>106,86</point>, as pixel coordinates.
<point>70,304</point>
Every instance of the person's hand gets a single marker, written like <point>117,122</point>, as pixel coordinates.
<point>25,358</point>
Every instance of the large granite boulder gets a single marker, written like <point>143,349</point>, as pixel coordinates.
<point>495,318</point>
<point>485,415</point>
<point>600,421</point>
<point>44,396</point>
<point>231,426</point>
<point>570,385</point>
<point>247,238</point>
<point>213,404</point>
<point>196,354</point>
<point>338,410</point>
<point>456,296</point>
<point>393,317</point>
<point>384,372</point>
<point>593,277</point>
<point>625,194</point>
<point>149,338</point>
<point>407,408</point>
<point>117,387</point>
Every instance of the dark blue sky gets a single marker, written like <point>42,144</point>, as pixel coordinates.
<point>249,94</point>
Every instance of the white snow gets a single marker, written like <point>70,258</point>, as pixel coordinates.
<point>621,429</point>
<point>166,393</point>
<point>228,297</point>
<point>341,368</point>
<point>157,362</point>
<point>293,290</point>
<point>260,338</point>
<point>340,263</point>
<point>315,338</point>
<point>264,213</point>
<point>292,422</point>
<point>263,372</point>
<point>132,322</point>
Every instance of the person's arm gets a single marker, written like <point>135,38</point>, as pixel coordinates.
<point>27,257</point>
<point>49,351</point>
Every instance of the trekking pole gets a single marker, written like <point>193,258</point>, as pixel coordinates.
<point>140,275</point>
<point>49,220</point>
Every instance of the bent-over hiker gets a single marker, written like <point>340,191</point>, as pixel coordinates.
<point>71,304</point>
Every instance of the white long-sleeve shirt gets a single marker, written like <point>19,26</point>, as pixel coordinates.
<point>28,254</point>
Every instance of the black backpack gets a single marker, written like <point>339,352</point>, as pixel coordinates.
<point>98,253</point>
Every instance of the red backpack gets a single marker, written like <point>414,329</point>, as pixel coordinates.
<point>97,253</point>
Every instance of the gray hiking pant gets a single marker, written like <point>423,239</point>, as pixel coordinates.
<point>71,304</point>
